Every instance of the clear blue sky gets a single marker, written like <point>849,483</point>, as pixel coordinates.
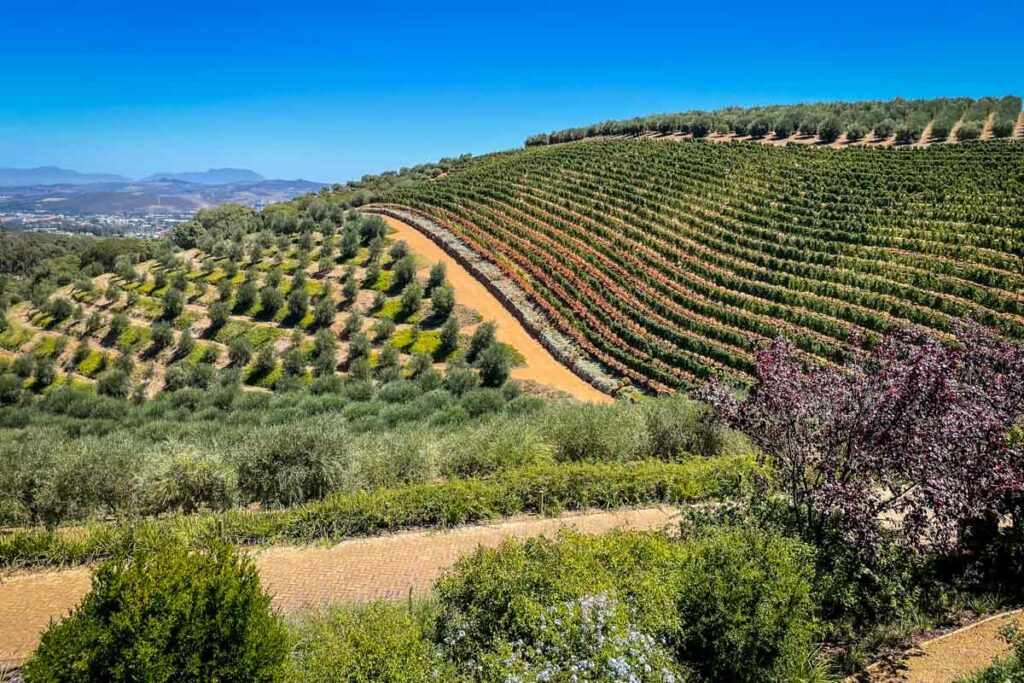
<point>331,90</point>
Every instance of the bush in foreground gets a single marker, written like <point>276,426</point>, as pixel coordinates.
<point>167,615</point>
<point>371,644</point>
<point>729,605</point>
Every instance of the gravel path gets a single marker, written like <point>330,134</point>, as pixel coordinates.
<point>952,655</point>
<point>298,578</point>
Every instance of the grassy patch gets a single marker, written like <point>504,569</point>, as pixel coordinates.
<point>514,356</point>
<point>148,307</point>
<point>384,281</point>
<point>82,296</point>
<point>42,320</point>
<point>186,319</point>
<point>258,335</point>
<point>132,339</point>
<point>93,364</point>
<point>47,348</point>
<point>15,336</point>
<point>230,330</point>
<point>196,353</point>
<point>266,380</point>
<point>390,310</point>
<point>427,341</point>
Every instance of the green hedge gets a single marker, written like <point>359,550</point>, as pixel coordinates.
<point>544,489</point>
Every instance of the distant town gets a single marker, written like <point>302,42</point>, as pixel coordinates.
<point>51,199</point>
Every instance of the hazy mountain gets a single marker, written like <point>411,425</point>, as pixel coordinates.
<point>146,197</point>
<point>52,175</point>
<point>215,176</point>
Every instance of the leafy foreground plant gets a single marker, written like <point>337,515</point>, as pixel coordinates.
<point>167,614</point>
<point>916,435</point>
<point>721,605</point>
<point>590,638</point>
<point>729,605</point>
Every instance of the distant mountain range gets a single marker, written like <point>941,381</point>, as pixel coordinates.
<point>53,175</point>
<point>215,176</point>
<point>52,190</point>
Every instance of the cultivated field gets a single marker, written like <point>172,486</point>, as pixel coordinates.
<point>664,262</point>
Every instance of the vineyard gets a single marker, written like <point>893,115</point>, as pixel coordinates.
<point>897,121</point>
<point>667,263</point>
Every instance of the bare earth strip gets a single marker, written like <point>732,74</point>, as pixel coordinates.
<point>540,366</point>
<point>389,567</point>
<point>952,655</point>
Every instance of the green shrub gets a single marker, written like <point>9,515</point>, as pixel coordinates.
<point>483,336</point>
<point>538,489</point>
<point>592,636</point>
<point>376,643</point>
<point>494,364</point>
<point>460,379</point>
<point>1002,129</point>
<point>733,605</point>
<point>482,401</point>
<point>493,446</point>
<point>596,433</point>
<point>855,133</point>
<point>745,607</point>
<point>167,615</point>
<point>189,483</point>
<point>968,131</point>
<point>290,464</point>
<point>497,595</point>
<point>114,382</point>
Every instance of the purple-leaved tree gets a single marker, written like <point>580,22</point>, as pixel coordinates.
<point>917,435</point>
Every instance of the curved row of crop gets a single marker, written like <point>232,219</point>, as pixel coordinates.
<point>668,260</point>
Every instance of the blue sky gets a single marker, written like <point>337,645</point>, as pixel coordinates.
<point>331,90</point>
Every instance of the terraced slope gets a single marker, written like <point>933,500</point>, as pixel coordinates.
<point>351,320</point>
<point>664,261</point>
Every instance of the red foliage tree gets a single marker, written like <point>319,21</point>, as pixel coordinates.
<point>917,435</point>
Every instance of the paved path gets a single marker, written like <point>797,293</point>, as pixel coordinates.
<point>298,578</point>
<point>956,654</point>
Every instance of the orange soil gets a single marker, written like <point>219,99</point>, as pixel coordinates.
<point>540,366</point>
<point>952,655</point>
<point>986,128</point>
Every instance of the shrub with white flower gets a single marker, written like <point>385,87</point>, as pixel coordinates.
<point>590,640</point>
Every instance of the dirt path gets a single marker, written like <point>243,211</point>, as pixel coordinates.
<point>926,135</point>
<point>952,655</point>
<point>986,128</point>
<point>299,578</point>
<point>1018,130</point>
<point>540,366</point>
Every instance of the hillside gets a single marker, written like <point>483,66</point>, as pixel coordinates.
<point>664,261</point>
<point>270,311</point>
<point>896,121</point>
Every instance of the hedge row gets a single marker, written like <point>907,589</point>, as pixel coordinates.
<point>545,489</point>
